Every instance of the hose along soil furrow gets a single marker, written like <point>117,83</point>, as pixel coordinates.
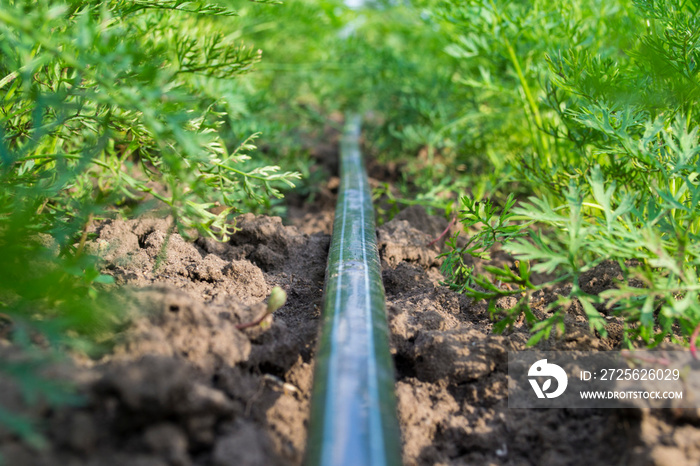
<point>353,410</point>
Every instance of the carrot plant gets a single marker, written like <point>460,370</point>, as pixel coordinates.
<point>627,189</point>
<point>108,109</point>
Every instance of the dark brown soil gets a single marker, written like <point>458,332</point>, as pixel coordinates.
<point>452,375</point>
<point>184,386</point>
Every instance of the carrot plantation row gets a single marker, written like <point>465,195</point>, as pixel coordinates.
<point>563,132</point>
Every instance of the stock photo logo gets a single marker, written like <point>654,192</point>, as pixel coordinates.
<point>541,369</point>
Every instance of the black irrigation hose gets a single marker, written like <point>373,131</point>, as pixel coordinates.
<point>353,407</point>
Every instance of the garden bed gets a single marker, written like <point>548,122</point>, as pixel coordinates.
<point>185,386</point>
